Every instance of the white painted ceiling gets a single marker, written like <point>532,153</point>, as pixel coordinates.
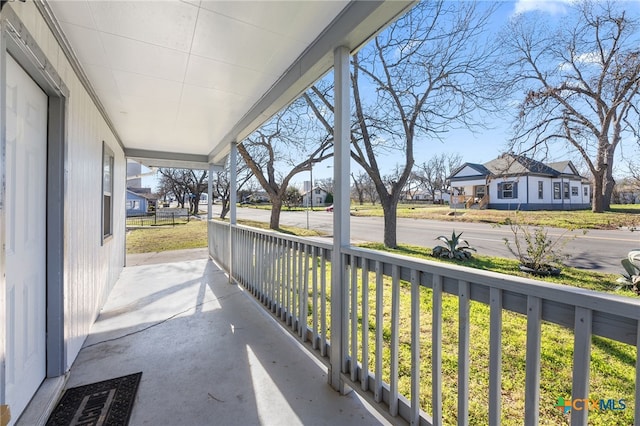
<point>188,77</point>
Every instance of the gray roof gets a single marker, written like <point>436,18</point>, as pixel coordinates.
<point>511,164</point>
<point>516,165</point>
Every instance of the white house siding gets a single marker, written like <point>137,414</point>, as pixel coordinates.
<point>547,190</point>
<point>508,203</point>
<point>547,202</point>
<point>90,268</point>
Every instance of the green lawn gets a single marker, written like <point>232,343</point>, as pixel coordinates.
<point>612,363</point>
<point>162,238</point>
<point>627,215</point>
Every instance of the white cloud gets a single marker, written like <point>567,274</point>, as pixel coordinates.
<point>585,58</point>
<point>554,7</point>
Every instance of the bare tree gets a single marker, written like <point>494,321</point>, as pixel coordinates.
<point>358,186</point>
<point>635,173</point>
<point>290,140</point>
<point>292,197</point>
<point>580,83</point>
<point>425,70</point>
<point>326,185</point>
<point>171,182</point>
<point>432,175</point>
<point>185,184</point>
<point>222,184</point>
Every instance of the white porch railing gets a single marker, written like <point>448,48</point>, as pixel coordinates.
<point>290,276</point>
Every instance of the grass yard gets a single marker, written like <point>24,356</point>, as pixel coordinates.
<point>627,215</point>
<point>162,238</point>
<point>612,363</point>
<point>189,235</point>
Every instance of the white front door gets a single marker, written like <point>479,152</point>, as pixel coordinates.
<point>25,206</point>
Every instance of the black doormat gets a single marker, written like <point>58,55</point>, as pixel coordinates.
<point>107,403</point>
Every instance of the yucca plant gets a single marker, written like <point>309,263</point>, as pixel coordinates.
<point>453,248</point>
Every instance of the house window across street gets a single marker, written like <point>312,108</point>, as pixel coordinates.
<point>507,190</point>
<point>540,190</point>
<point>574,191</point>
<point>566,190</point>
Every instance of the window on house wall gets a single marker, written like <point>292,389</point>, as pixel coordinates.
<point>480,191</point>
<point>586,191</point>
<point>566,189</point>
<point>540,190</point>
<point>574,191</point>
<point>556,190</point>
<point>508,190</point>
<point>107,191</point>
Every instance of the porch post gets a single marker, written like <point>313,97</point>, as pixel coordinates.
<point>233,183</point>
<point>341,231</point>
<point>210,192</point>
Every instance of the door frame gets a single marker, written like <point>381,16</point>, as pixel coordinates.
<point>16,41</point>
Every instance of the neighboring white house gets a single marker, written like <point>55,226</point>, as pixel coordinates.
<point>318,195</point>
<point>513,181</point>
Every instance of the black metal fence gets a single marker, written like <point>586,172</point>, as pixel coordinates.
<point>160,217</point>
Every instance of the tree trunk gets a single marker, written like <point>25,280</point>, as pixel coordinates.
<point>195,204</point>
<point>276,208</point>
<point>390,210</point>
<point>225,208</point>
<point>608,181</point>
<point>597,205</point>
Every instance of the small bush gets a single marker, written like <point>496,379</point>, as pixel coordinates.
<point>534,248</point>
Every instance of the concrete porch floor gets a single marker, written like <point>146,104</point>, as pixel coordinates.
<point>210,355</point>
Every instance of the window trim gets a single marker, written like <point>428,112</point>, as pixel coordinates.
<point>513,190</point>
<point>557,191</point>
<point>108,161</point>
<point>540,190</point>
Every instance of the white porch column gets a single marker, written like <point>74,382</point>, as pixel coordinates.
<point>341,231</point>
<point>233,182</point>
<point>233,194</point>
<point>210,191</point>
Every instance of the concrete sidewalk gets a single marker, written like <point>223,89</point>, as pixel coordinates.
<point>209,354</point>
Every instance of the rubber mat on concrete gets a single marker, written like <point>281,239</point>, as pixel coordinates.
<point>106,403</point>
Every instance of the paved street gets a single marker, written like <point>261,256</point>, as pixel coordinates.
<point>596,250</point>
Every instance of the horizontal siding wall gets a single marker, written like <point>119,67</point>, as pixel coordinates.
<point>90,268</point>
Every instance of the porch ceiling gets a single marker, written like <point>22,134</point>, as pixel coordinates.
<point>180,80</point>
